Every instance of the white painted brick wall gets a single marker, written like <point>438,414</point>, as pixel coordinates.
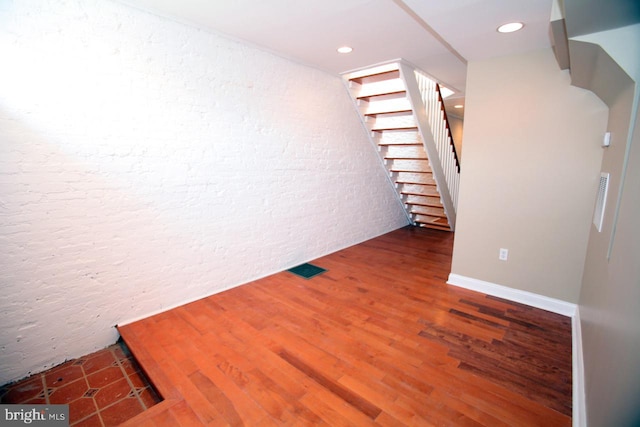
<point>144,164</point>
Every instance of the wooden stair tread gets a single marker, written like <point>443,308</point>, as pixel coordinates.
<point>396,110</point>
<point>372,95</point>
<point>376,71</point>
<point>408,181</point>
<point>405,170</point>
<point>432,185</point>
<point>434,214</point>
<point>420,178</point>
<point>431,219</point>
<point>383,129</point>
<point>375,77</point>
<point>428,205</point>
<point>404,144</point>
<point>431,191</point>
<point>434,226</point>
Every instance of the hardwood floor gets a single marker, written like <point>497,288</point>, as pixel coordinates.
<point>378,339</point>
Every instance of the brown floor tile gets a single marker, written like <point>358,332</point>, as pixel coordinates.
<point>63,375</point>
<point>112,393</point>
<point>105,385</point>
<point>81,408</point>
<point>25,390</point>
<point>121,412</point>
<point>137,380</point>
<point>129,366</point>
<point>105,377</point>
<point>36,401</point>
<point>93,421</point>
<point>69,392</point>
<point>98,360</point>
<point>120,352</point>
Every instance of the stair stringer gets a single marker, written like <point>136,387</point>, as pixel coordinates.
<point>371,138</point>
<point>419,111</point>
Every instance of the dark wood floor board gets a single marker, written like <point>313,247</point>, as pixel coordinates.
<point>333,410</point>
<point>377,339</point>
<point>511,413</point>
<point>453,322</point>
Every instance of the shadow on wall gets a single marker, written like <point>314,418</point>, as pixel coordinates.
<point>82,249</point>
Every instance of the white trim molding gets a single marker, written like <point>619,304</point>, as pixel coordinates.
<point>516,295</point>
<point>579,418</point>
<point>579,415</point>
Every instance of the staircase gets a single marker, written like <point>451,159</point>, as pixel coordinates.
<point>405,116</point>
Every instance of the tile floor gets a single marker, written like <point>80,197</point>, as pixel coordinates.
<point>105,388</point>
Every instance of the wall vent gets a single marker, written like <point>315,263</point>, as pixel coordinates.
<point>598,215</point>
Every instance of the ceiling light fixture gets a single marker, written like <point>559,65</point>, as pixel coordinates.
<point>345,49</point>
<point>457,106</point>
<point>510,27</point>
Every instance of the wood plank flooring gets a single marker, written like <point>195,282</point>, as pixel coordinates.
<point>378,339</point>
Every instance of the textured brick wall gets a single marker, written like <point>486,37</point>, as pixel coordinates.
<point>144,164</point>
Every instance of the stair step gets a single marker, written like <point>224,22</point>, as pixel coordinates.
<point>390,104</point>
<point>407,156</point>
<point>414,151</point>
<point>376,78</point>
<point>388,128</point>
<point>381,69</point>
<point>434,226</point>
<point>389,111</point>
<point>398,137</point>
<point>396,120</point>
<point>383,102</point>
<point>384,87</point>
<point>392,143</point>
<point>405,165</point>
<point>428,211</point>
<point>419,190</point>
<point>413,199</point>
<point>425,178</point>
<point>432,220</point>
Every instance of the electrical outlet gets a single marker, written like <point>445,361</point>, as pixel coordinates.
<point>504,254</point>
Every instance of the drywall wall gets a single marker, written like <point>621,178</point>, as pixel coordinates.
<point>610,291</point>
<point>528,183</point>
<point>144,163</point>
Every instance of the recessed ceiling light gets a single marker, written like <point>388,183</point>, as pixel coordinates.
<point>457,106</point>
<point>510,27</point>
<point>345,49</point>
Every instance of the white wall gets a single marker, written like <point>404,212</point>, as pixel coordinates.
<point>611,284</point>
<point>528,183</point>
<point>144,164</point>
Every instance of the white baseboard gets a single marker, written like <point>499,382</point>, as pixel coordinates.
<point>579,399</point>
<point>523,297</point>
<point>579,416</point>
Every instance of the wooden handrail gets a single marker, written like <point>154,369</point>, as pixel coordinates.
<point>446,120</point>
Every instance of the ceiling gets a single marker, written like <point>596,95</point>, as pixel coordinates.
<point>437,36</point>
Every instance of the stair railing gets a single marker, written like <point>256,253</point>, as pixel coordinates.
<point>425,96</point>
